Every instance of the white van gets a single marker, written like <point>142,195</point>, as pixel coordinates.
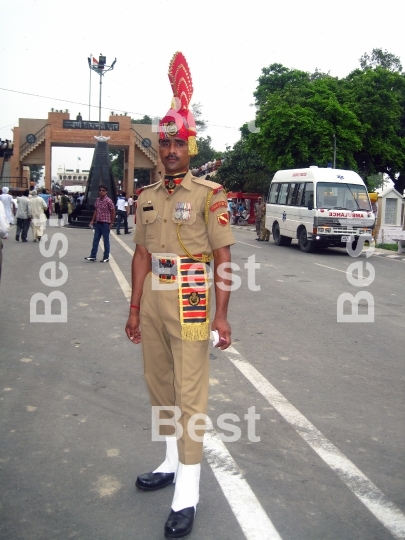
<point>320,207</point>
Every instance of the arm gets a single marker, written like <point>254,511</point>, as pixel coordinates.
<point>141,264</point>
<point>93,219</point>
<point>220,322</point>
<point>112,216</point>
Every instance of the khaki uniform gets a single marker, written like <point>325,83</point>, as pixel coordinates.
<point>176,368</point>
<point>264,233</point>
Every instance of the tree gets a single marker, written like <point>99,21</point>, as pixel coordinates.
<point>36,173</point>
<point>377,97</point>
<point>145,120</point>
<point>243,168</point>
<point>298,118</point>
<point>300,114</point>
<point>201,124</point>
<point>380,58</point>
<point>205,152</point>
<point>117,163</point>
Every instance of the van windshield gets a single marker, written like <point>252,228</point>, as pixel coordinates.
<point>342,196</point>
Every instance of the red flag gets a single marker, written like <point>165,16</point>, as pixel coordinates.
<point>95,61</point>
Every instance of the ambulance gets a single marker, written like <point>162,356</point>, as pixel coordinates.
<point>320,207</point>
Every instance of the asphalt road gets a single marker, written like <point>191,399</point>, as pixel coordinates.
<point>75,415</point>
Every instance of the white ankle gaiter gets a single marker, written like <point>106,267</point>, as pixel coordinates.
<point>187,491</point>
<point>172,457</point>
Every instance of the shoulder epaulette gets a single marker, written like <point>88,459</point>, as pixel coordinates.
<point>139,191</point>
<point>217,188</point>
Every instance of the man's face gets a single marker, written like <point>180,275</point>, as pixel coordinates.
<point>174,155</point>
<point>102,193</point>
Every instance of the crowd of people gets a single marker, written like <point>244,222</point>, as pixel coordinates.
<point>6,148</point>
<point>207,168</point>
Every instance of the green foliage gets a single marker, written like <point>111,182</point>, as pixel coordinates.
<point>145,120</point>
<point>201,124</point>
<point>117,163</point>
<point>36,173</point>
<point>300,113</point>
<point>244,169</point>
<point>205,152</point>
<point>381,58</point>
<point>391,247</point>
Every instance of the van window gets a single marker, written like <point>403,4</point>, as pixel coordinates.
<point>274,189</point>
<point>308,194</point>
<point>300,191</point>
<point>292,194</point>
<point>282,197</point>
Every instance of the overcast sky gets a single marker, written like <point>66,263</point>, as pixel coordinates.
<point>44,45</point>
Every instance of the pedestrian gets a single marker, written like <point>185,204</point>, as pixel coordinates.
<point>63,209</point>
<point>264,233</point>
<point>78,208</point>
<point>4,228</point>
<point>186,218</point>
<point>131,204</point>
<point>37,207</point>
<point>57,203</point>
<point>8,204</point>
<point>102,220</point>
<point>258,216</point>
<point>23,216</point>
<point>46,196</point>
<point>122,212</point>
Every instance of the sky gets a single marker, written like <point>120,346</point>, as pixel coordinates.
<point>44,45</point>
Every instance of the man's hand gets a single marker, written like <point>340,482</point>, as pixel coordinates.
<point>224,330</point>
<point>132,328</point>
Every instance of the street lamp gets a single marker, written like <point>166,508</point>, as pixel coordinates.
<point>100,67</point>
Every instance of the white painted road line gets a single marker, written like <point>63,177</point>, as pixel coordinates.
<point>123,283</point>
<point>331,268</point>
<point>123,244</point>
<point>250,514</point>
<point>251,245</point>
<point>379,505</point>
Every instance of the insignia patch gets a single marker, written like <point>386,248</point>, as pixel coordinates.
<point>223,219</point>
<point>219,204</point>
<point>217,190</point>
<point>194,299</point>
<point>170,128</point>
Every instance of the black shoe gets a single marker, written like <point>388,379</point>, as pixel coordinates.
<point>151,481</point>
<point>118,232</point>
<point>17,238</point>
<point>24,240</point>
<point>93,259</point>
<point>127,232</point>
<point>180,523</point>
<point>105,260</point>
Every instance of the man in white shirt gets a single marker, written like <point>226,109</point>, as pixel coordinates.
<point>130,204</point>
<point>122,212</point>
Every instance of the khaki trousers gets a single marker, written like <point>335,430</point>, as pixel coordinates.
<point>176,371</point>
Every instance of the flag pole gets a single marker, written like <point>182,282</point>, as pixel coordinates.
<point>91,60</point>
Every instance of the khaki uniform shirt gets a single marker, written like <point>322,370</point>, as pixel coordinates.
<point>156,223</point>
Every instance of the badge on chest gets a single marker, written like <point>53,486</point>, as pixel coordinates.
<point>182,211</point>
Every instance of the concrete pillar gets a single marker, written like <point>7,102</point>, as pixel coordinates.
<point>48,158</point>
<point>129,165</point>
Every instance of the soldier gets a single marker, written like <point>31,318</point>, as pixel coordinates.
<point>258,216</point>
<point>182,222</point>
<point>264,233</point>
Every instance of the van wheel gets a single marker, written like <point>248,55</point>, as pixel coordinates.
<point>307,246</point>
<point>279,239</point>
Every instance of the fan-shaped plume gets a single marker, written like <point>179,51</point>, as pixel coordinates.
<point>180,79</point>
